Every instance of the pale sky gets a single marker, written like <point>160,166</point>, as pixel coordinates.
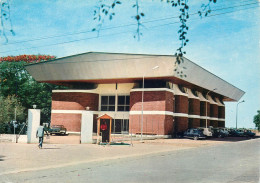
<point>226,43</point>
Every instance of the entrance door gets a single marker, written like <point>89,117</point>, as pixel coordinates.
<point>104,129</point>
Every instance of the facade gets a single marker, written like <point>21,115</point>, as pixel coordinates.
<point>142,93</point>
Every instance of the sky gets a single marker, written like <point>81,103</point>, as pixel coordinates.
<point>225,43</point>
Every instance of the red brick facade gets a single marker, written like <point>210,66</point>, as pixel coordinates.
<point>71,121</point>
<point>72,101</point>
<point>152,123</point>
<point>181,104</point>
<point>194,106</point>
<point>163,112</point>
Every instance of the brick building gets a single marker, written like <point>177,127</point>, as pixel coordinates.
<point>147,93</point>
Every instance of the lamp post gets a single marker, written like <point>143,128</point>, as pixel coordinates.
<point>236,111</point>
<point>142,116</point>
<point>207,106</point>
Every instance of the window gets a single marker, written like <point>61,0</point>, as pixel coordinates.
<point>123,103</point>
<point>120,126</point>
<point>107,103</point>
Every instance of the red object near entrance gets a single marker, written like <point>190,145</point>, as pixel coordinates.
<point>103,127</point>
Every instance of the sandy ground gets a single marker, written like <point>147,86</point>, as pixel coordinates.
<point>60,151</point>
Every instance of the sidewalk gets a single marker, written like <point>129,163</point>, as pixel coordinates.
<point>16,158</point>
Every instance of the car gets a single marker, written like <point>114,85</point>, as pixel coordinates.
<point>220,132</point>
<point>206,131</point>
<point>194,133</point>
<point>249,133</point>
<point>236,133</point>
<point>57,129</point>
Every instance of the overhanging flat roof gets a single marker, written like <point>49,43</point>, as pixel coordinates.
<point>96,67</point>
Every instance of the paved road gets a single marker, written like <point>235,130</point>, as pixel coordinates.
<point>231,162</point>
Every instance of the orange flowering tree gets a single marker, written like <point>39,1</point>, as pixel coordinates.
<point>16,81</point>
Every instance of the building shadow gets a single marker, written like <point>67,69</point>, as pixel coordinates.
<point>2,158</point>
<point>50,148</point>
<point>232,139</point>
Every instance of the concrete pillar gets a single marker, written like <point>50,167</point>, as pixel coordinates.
<point>86,127</point>
<point>34,116</point>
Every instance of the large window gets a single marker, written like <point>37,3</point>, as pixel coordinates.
<point>120,126</point>
<point>107,103</point>
<point>123,103</point>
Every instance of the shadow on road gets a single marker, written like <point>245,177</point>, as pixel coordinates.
<point>50,148</point>
<point>233,139</point>
<point>1,158</point>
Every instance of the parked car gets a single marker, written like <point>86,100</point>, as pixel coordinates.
<point>57,129</point>
<point>194,133</point>
<point>249,133</point>
<point>236,133</point>
<point>220,132</point>
<point>206,131</point>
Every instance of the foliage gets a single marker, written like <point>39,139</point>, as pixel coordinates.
<point>27,58</point>
<point>16,81</point>
<point>8,106</point>
<point>257,120</point>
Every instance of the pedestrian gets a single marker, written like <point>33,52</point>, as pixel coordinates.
<point>40,134</point>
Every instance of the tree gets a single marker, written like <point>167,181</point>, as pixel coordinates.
<point>16,81</point>
<point>10,109</point>
<point>257,120</point>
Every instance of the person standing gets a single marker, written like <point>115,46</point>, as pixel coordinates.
<point>40,134</point>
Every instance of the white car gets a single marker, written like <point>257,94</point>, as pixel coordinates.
<point>206,131</point>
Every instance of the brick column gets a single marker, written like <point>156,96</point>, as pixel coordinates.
<point>181,112</point>
<point>194,106</point>
<point>157,111</point>
<point>221,115</point>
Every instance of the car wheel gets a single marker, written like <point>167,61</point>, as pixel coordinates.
<point>195,138</point>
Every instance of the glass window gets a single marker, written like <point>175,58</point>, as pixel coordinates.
<point>111,100</point>
<point>108,103</point>
<point>121,100</point>
<point>120,126</point>
<point>123,103</point>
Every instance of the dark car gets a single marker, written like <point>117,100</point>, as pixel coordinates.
<point>249,133</point>
<point>194,133</point>
<point>236,133</point>
<point>220,132</point>
<point>57,129</point>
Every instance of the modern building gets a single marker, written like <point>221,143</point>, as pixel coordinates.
<point>146,94</point>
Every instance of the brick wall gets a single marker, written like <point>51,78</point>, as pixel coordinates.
<point>152,124</point>
<point>71,121</point>
<point>72,101</point>
<point>195,122</point>
<point>181,123</point>
<point>221,112</point>
<point>153,101</point>
<point>181,104</point>
<point>214,110</point>
<point>194,105</point>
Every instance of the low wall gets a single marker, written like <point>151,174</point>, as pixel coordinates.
<point>11,138</point>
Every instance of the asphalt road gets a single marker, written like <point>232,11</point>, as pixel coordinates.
<point>235,162</point>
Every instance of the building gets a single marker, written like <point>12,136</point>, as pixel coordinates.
<point>172,98</point>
